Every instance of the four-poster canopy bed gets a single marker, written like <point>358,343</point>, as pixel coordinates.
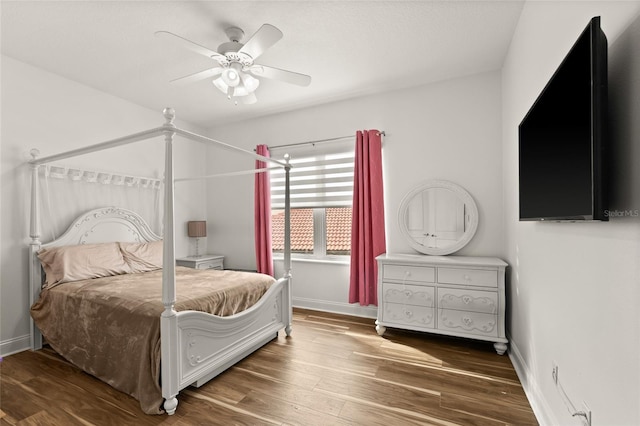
<point>192,344</point>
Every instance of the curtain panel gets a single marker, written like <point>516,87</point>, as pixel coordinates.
<point>368,227</point>
<point>262,206</point>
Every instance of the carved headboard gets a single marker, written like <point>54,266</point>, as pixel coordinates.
<point>107,224</point>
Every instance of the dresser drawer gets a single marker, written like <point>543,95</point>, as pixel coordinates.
<point>416,295</point>
<point>409,273</point>
<point>209,264</point>
<point>461,276</point>
<point>468,300</point>
<point>202,262</point>
<point>417,316</point>
<point>468,322</point>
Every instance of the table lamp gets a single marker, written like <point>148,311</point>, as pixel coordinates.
<point>197,229</point>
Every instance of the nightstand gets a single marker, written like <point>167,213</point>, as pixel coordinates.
<point>204,261</point>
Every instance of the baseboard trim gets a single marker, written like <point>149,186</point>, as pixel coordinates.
<point>335,307</point>
<point>536,398</point>
<point>15,345</point>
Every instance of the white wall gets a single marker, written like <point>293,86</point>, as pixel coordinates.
<point>574,287</point>
<point>447,130</point>
<point>45,111</point>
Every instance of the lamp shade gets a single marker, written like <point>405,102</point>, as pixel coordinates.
<point>197,228</point>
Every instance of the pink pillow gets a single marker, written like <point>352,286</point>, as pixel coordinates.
<point>142,257</point>
<point>81,262</point>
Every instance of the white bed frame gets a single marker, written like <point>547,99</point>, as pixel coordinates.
<point>195,346</point>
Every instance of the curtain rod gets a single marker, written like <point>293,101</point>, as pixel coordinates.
<point>317,141</point>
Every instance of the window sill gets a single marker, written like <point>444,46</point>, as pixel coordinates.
<point>334,260</point>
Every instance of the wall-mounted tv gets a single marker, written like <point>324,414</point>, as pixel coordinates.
<point>563,138</point>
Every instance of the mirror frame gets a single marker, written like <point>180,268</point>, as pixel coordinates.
<point>470,206</point>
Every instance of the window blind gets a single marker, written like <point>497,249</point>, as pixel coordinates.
<point>317,179</point>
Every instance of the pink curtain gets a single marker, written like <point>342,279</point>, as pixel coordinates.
<point>367,224</point>
<point>264,258</point>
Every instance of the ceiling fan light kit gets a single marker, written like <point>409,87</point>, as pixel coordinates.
<point>235,71</point>
<point>231,75</point>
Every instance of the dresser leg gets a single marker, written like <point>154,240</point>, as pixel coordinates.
<point>380,328</point>
<point>500,347</point>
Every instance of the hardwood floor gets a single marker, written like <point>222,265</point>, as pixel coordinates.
<point>334,370</point>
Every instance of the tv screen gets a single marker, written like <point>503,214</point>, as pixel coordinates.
<point>563,136</point>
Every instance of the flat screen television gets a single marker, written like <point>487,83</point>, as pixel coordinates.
<point>563,138</point>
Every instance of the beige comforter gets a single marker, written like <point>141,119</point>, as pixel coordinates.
<point>110,327</point>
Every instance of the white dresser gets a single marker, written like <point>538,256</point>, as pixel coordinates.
<point>460,296</point>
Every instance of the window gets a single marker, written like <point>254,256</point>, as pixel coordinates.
<point>335,221</point>
<point>321,186</point>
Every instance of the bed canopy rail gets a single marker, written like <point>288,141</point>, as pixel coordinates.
<point>169,321</point>
<point>228,174</point>
<point>168,127</point>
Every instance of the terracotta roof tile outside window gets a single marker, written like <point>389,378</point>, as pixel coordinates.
<point>338,230</point>
<point>338,226</point>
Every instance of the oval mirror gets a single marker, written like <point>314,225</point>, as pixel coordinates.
<point>438,217</point>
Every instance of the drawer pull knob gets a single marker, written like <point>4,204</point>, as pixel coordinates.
<point>467,277</point>
<point>467,321</point>
<point>466,299</point>
<point>407,293</point>
<point>408,313</point>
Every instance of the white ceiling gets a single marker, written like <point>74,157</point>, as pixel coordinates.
<point>350,48</point>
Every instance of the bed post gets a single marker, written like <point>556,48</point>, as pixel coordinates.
<point>287,243</point>
<point>168,320</point>
<point>35,277</point>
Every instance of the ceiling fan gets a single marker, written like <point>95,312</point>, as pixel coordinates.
<point>236,74</point>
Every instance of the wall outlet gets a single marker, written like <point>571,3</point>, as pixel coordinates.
<point>554,373</point>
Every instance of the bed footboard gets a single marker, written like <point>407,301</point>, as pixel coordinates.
<point>209,344</point>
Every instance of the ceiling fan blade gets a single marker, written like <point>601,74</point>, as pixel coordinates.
<point>181,41</point>
<point>191,78</point>
<point>266,36</point>
<point>282,75</point>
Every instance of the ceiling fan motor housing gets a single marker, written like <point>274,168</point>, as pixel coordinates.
<point>231,48</point>
<point>235,34</point>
